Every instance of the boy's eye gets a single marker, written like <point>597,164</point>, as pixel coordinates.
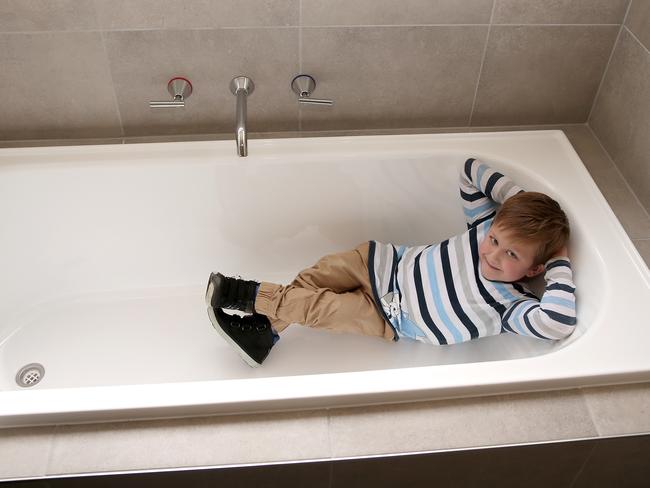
<point>493,241</point>
<point>511,254</point>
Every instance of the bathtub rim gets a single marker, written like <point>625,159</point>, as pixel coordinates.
<point>235,405</point>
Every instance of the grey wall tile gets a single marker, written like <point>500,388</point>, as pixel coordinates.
<point>622,409</point>
<point>395,12</point>
<point>385,77</point>
<point>559,11</point>
<point>460,423</point>
<point>643,246</point>
<point>621,115</point>
<point>43,15</point>
<point>541,74</point>
<point>202,441</point>
<point>56,85</point>
<point>195,14</point>
<point>143,61</point>
<point>633,217</point>
<point>638,21</point>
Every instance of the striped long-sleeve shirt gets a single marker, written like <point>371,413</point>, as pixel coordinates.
<point>437,294</point>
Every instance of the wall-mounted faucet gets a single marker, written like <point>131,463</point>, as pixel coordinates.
<point>180,89</point>
<point>241,87</point>
<point>304,86</point>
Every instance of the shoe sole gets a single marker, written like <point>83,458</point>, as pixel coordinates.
<point>215,323</point>
<point>209,292</point>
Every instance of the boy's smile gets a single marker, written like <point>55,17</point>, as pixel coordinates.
<point>503,259</point>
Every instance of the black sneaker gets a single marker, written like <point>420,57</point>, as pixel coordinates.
<point>232,293</point>
<point>250,335</point>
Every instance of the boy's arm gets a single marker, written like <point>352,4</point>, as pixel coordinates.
<point>482,190</point>
<point>554,316</point>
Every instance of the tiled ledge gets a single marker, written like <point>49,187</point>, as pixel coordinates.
<point>360,431</point>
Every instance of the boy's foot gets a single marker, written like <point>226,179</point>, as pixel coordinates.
<point>232,293</point>
<point>251,335</point>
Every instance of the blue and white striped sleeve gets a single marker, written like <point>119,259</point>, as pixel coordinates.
<point>482,190</point>
<point>554,316</point>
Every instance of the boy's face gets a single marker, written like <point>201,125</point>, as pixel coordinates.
<point>503,259</point>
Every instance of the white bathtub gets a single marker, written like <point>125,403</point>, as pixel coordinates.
<point>105,251</point>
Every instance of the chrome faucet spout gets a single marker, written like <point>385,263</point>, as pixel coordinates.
<point>240,128</point>
<point>241,87</point>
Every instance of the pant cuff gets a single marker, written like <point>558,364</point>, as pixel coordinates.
<point>263,300</point>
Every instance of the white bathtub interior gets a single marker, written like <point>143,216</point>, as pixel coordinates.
<point>106,250</point>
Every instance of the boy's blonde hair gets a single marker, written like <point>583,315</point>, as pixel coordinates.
<point>534,217</point>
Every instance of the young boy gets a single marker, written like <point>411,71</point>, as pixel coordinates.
<point>466,287</point>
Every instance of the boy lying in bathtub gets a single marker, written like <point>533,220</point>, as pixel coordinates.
<point>466,287</point>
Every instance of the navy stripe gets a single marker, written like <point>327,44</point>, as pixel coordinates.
<point>468,167</point>
<point>489,299</point>
<point>560,317</point>
<point>471,197</point>
<point>523,291</point>
<point>489,186</point>
<point>561,262</point>
<point>423,304</point>
<point>373,284</point>
<point>560,286</point>
<point>483,219</point>
<point>508,314</point>
<point>393,270</point>
<point>451,291</point>
<point>529,325</point>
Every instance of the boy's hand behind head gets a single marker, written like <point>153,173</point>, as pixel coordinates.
<point>562,252</point>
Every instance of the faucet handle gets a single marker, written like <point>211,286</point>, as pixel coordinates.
<point>180,89</point>
<point>304,86</point>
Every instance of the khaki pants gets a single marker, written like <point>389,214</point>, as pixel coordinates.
<point>334,294</point>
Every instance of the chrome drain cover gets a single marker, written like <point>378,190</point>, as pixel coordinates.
<point>30,375</point>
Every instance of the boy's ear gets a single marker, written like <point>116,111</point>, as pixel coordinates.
<point>535,270</point>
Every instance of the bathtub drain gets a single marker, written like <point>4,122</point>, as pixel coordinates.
<point>30,375</point>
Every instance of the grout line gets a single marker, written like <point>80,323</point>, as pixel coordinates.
<point>110,76</point>
<point>262,27</point>
<point>330,450</point>
<point>618,170</point>
<point>609,61</point>
<point>50,450</point>
<point>583,394</point>
<point>629,31</point>
<point>300,71</point>
<point>480,71</point>
<point>110,69</point>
